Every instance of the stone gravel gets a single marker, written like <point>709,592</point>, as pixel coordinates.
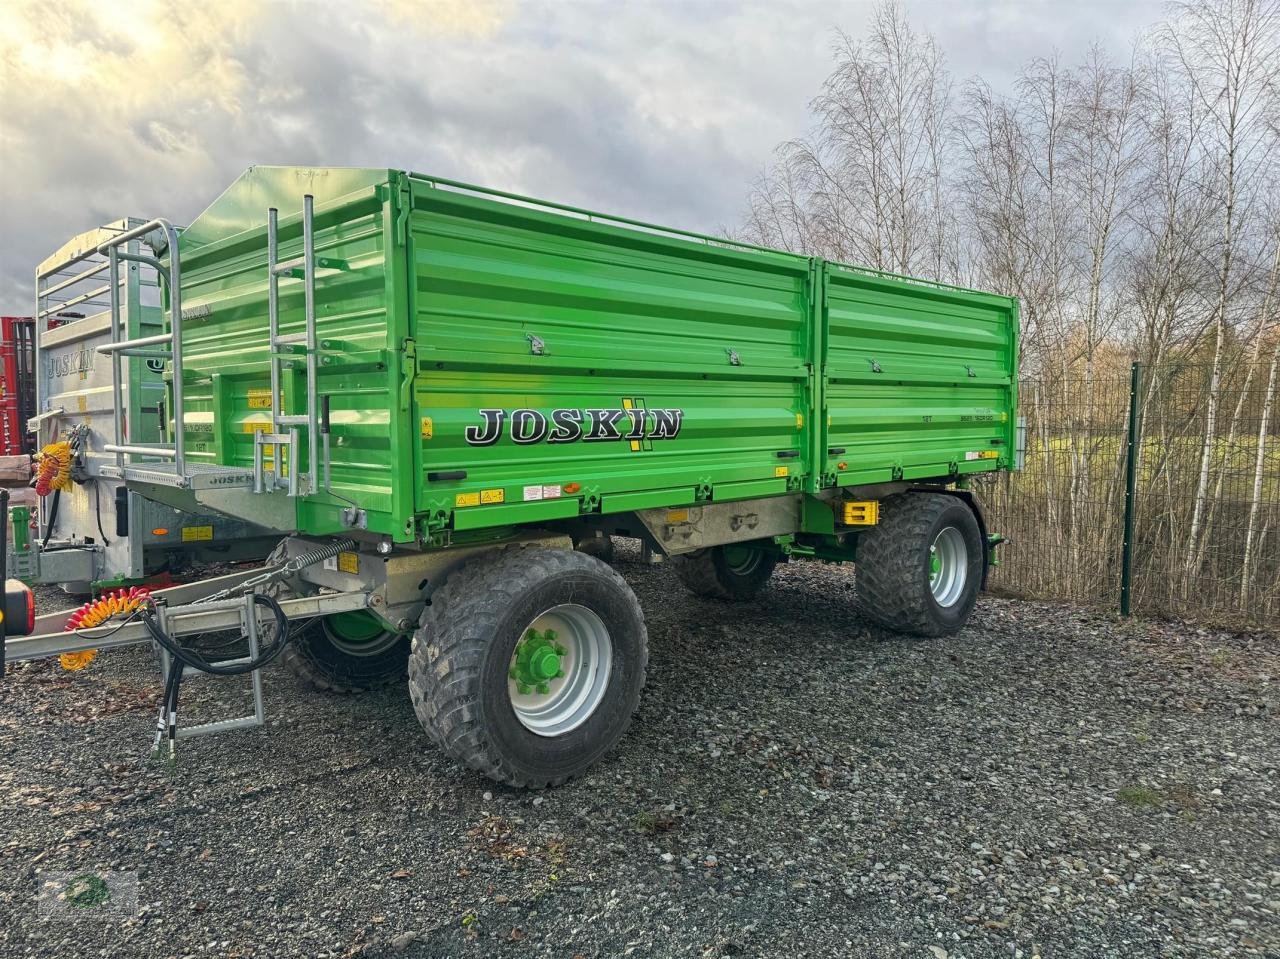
<point>1051,782</point>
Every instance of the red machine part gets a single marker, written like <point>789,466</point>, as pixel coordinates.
<point>17,383</point>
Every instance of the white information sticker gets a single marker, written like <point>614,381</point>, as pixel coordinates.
<point>550,492</point>
<point>532,492</point>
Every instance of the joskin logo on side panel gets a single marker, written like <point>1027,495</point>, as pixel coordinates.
<point>633,423</point>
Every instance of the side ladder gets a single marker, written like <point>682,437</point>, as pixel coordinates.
<point>284,434</point>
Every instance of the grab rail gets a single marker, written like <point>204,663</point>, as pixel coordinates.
<point>111,250</point>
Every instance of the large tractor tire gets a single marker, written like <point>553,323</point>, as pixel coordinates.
<point>349,652</point>
<point>919,570</point>
<point>735,573</point>
<point>528,664</point>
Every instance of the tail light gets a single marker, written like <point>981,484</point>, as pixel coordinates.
<point>19,608</point>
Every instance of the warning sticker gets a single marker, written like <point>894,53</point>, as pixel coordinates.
<point>259,399</point>
<point>493,496</point>
<point>426,428</point>
<point>981,454</point>
<point>532,493</point>
<point>349,562</point>
<point>466,499</point>
<point>782,471</point>
<point>196,534</point>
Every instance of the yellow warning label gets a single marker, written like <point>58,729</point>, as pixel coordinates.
<point>493,496</point>
<point>427,428</point>
<point>259,399</point>
<point>782,471</point>
<point>349,562</point>
<point>677,516</point>
<point>256,426</point>
<point>196,534</point>
<point>466,499</point>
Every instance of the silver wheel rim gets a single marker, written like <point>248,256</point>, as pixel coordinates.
<point>948,566</point>
<point>571,698</point>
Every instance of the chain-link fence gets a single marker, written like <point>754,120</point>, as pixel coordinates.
<point>1201,489</point>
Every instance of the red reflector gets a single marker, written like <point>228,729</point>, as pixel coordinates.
<point>19,608</point>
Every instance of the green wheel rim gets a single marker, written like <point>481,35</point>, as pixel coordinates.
<point>741,560</point>
<point>358,633</point>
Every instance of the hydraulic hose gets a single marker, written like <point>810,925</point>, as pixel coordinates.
<point>181,657</point>
<point>53,518</point>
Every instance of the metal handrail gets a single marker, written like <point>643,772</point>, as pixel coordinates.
<point>76,278</point>
<point>164,451</point>
<point>313,341</point>
<point>113,253</point>
<point>132,344</point>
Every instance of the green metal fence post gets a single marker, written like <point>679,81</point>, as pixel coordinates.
<point>1130,488</point>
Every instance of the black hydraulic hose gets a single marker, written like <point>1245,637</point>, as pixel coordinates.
<point>97,502</point>
<point>190,657</point>
<point>181,657</point>
<point>53,518</point>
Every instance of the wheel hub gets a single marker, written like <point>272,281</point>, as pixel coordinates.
<point>537,662</point>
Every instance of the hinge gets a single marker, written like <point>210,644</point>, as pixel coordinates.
<point>408,372</point>
<point>402,214</point>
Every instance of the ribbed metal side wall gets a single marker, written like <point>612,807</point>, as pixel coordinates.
<point>714,371</point>
<point>625,319</point>
<point>920,379</point>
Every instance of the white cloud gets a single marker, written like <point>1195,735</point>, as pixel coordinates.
<point>662,111</point>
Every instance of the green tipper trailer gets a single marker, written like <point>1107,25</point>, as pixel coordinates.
<point>434,391</point>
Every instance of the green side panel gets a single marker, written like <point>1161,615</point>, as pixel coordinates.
<point>243,205</point>
<point>492,362</point>
<point>361,324</point>
<point>919,379</point>
<point>517,309</point>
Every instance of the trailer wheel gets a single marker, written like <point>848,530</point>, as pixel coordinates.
<point>348,653</point>
<point>919,569</point>
<point>734,572</point>
<point>343,653</point>
<point>528,663</point>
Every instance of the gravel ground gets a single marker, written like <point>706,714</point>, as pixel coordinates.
<point>1051,782</point>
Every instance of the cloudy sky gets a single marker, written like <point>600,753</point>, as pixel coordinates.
<point>657,110</point>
